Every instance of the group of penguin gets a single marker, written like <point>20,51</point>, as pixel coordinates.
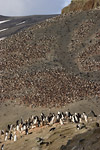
<point>35,121</point>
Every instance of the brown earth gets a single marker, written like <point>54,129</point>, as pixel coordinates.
<point>54,65</point>
<point>81,5</point>
<point>88,138</point>
<point>54,62</point>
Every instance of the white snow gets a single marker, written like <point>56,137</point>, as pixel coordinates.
<point>20,23</point>
<point>2,38</point>
<point>3,30</point>
<point>4,21</point>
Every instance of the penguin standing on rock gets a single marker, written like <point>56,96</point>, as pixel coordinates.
<point>85,117</point>
<point>2,132</point>
<point>2,147</point>
<point>26,131</point>
<point>21,121</point>
<point>6,136</point>
<point>80,126</point>
<point>61,121</point>
<point>17,125</point>
<point>36,121</point>
<point>8,127</point>
<point>15,137</point>
<point>11,136</point>
<point>49,118</point>
<point>43,119</point>
<point>53,120</point>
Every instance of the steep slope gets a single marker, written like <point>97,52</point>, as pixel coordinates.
<point>12,25</point>
<point>54,62</point>
<point>79,5</point>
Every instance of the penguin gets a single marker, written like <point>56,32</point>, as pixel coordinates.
<point>73,119</point>
<point>42,116</point>
<point>2,132</point>
<point>85,117</point>
<point>17,122</point>
<point>30,124</point>
<point>79,117</point>
<point>26,122</point>
<point>58,118</point>
<point>53,120</point>
<point>62,116</point>
<point>15,137</point>
<point>6,136</point>
<point>68,114</point>
<point>8,127</point>
<point>36,121</point>
<point>21,121</point>
<point>11,127</point>
<point>43,119</point>
<point>2,147</point>
<point>24,127</point>
<point>11,136</point>
<point>26,131</point>
<point>17,127</point>
<point>59,113</point>
<point>76,118</point>
<point>61,121</point>
<point>80,126</point>
<point>32,117</point>
<point>50,117</point>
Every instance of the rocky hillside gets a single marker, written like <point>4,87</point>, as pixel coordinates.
<point>53,63</point>
<point>79,5</point>
<point>12,25</point>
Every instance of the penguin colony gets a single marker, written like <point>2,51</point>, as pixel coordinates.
<point>23,126</point>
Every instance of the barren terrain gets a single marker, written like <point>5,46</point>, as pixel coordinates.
<point>16,24</point>
<point>51,66</point>
<point>12,111</point>
<point>53,63</point>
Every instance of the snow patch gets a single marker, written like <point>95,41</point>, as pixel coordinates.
<point>20,23</point>
<point>3,30</point>
<point>4,21</point>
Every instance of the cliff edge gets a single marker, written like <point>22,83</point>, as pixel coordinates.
<point>81,5</point>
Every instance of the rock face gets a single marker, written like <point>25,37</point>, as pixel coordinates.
<point>79,5</point>
<point>90,141</point>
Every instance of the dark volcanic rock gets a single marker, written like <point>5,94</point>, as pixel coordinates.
<point>97,124</point>
<point>90,141</point>
<point>16,24</point>
<point>63,147</point>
